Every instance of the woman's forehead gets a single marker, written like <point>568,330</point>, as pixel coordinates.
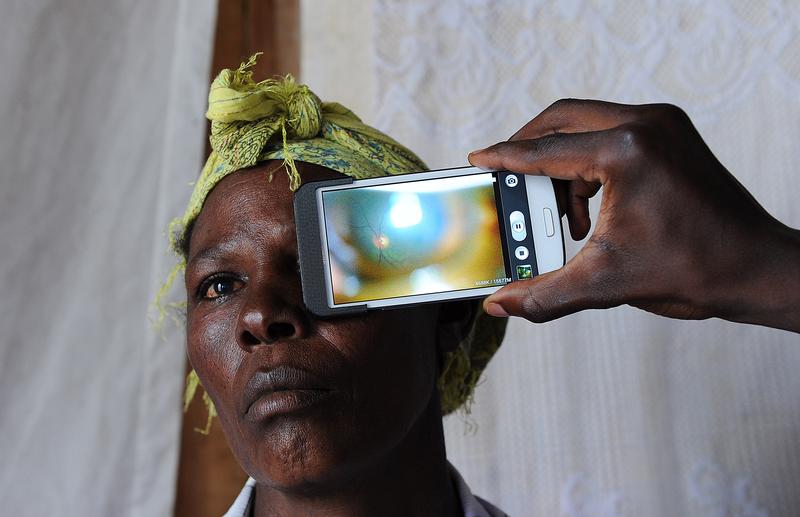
<point>247,193</point>
<point>250,203</point>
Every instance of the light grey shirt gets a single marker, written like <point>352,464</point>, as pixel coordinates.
<point>473,506</point>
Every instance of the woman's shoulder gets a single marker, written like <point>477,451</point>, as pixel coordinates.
<point>473,505</point>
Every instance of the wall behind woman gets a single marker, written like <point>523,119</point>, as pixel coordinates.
<point>613,413</point>
<point>102,130</point>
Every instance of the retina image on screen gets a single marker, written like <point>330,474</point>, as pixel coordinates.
<point>417,237</point>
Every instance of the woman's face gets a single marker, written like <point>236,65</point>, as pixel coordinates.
<point>302,401</point>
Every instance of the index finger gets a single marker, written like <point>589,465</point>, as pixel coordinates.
<point>566,156</point>
<point>577,116</point>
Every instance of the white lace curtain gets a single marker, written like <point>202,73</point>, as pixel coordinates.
<point>612,413</point>
<point>102,130</point>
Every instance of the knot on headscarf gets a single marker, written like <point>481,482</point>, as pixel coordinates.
<point>304,111</point>
<point>235,98</point>
<point>245,115</point>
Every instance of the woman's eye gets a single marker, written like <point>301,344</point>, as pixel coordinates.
<point>221,287</point>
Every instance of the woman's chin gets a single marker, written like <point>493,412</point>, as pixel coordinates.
<point>296,454</point>
<point>320,476</point>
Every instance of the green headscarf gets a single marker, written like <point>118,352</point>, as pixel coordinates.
<point>280,119</point>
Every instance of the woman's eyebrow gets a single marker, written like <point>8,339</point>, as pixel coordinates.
<point>215,252</point>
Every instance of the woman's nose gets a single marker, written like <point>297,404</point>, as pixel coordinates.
<point>269,320</point>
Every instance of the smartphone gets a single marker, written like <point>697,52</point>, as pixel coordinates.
<point>423,237</point>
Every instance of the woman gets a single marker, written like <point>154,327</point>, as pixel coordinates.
<point>328,417</point>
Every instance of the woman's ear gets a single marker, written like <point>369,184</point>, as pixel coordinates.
<point>454,323</point>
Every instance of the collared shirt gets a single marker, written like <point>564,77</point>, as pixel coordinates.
<point>473,506</point>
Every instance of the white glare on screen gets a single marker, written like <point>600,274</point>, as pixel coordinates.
<point>406,210</point>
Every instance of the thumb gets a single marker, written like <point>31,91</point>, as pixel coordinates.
<point>575,287</point>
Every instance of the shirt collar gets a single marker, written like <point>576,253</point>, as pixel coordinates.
<point>472,505</point>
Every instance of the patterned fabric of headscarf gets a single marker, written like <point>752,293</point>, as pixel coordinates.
<point>279,119</point>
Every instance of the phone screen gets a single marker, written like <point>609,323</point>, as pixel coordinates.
<point>416,237</point>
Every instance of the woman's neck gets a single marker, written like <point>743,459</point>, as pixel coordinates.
<point>413,479</point>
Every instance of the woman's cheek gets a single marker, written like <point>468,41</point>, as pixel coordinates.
<point>212,348</point>
<point>351,338</point>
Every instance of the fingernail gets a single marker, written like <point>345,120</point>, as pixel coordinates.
<point>471,158</point>
<point>495,309</point>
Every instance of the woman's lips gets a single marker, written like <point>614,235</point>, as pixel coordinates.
<point>282,390</point>
<point>286,401</point>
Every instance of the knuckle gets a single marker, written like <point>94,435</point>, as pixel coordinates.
<point>562,105</point>
<point>668,113</point>
<point>533,150</point>
<point>636,140</point>
<point>532,306</point>
<point>498,149</point>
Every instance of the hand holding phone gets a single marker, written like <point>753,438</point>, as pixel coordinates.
<point>676,235</point>
<point>423,237</point>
